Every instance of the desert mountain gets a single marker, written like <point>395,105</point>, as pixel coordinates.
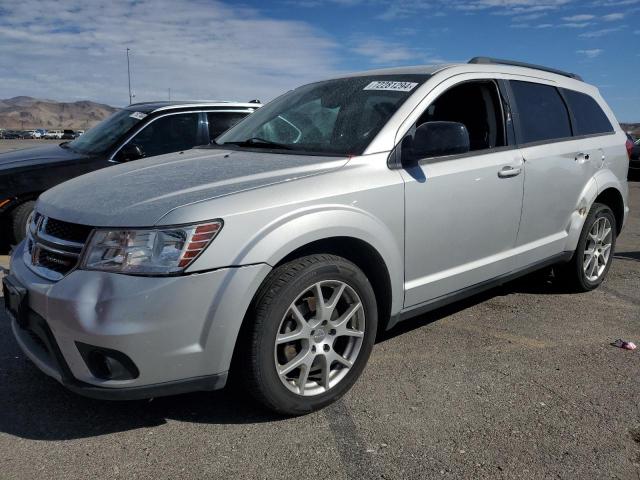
<point>28,112</point>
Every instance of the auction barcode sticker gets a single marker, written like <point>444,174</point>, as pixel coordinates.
<point>138,115</point>
<point>389,85</point>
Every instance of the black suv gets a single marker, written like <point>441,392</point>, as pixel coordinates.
<point>139,130</point>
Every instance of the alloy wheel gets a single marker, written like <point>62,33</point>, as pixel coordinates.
<point>319,338</point>
<point>597,249</point>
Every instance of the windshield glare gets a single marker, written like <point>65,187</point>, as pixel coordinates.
<point>101,137</point>
<point>339,116</point>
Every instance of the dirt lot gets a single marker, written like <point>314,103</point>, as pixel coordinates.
<point>520,382</point>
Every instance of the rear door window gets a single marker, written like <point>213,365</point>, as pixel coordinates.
<point>542,113</point>
<point>220,122</point>
<point>588,117</point>
<point>172,133</point>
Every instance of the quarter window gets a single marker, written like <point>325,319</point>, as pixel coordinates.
<point>588,117</point>
<point>541,111</point>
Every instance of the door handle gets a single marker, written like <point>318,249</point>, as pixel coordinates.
<point>583,157</point>
<point>509,171</point>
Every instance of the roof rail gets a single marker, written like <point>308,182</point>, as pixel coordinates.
<point>497,61</point>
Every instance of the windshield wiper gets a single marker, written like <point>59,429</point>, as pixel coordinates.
<point>258,142</point>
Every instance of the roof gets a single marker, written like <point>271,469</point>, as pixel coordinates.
<point>148,107</point>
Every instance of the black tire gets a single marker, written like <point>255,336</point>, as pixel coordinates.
<point>19,217</point>
<point>283,285</point>
<point>573,272</point>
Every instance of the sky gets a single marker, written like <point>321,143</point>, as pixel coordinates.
<point>211,49</point>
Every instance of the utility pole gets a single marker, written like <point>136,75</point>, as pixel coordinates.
<point>129,76</point>
<point>169,94</point>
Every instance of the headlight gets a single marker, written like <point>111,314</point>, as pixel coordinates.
<point>148,251</point>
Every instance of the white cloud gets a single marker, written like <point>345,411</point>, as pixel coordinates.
<point>591,53</point>
<point>602,32</point>
<point>579,18</point>
<point>381,52</point>
<point>576,25</point>
<point>612,17</point>
<point>74,49</point>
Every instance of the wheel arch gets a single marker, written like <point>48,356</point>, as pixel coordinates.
<point>365,257</point>
<point>612,198</point>
<point>351,248</point>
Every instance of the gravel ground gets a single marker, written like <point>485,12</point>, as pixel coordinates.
<point>520,382</point>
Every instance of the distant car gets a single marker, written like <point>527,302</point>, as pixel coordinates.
<point>68,135</point>
<point>41,131</point>
<point>140,130</point>
<point>11,134</point>
<point>32,134</point>
<point>78,133</point>
<point>54,134</point>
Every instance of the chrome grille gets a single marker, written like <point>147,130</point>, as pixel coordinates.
<point>53,247</point>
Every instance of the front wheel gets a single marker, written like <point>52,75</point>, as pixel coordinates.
<point>314,326</point>
<point>19,219</point>
<point>594,253</point>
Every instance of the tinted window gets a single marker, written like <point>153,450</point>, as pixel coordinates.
<point>542,112</point>
<point>588,116</point>
<point>220,122</point>
<point>339,116</point>
<point>172,133</point>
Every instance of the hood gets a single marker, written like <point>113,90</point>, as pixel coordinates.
<point>37,156</point>
<point>140,193</point>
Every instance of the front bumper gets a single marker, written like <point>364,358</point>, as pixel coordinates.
<point>180,331</point>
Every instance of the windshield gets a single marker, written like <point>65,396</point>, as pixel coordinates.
<point>333,117</point>
<point>101,137</point>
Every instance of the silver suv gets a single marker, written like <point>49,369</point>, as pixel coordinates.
<point>329,215</point>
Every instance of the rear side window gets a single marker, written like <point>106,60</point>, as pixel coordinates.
<point>542,113</point>
<point>220,122</point>
<point>588,117</point>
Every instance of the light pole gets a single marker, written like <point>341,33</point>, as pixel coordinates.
<point>129,76</point>
<point>169,94</point>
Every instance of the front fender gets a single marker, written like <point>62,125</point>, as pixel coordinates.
<point>295,229</point>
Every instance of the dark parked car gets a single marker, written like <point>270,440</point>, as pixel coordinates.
<point>633,146</point>
<point>140,130</point>
<point>68,135</point>
<point>11,135</point>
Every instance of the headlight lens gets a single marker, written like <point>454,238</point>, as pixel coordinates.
<point>148,251</point>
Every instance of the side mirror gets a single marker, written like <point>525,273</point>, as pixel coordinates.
<point>435,139</point>
<point>130,152</point>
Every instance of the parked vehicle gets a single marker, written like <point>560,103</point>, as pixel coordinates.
<point>633,148</point>
<point>31,134</point>
<point>78,133</point>
<point>332,213</point>
<point>11,134</point>
<point>54,134</point>
<point>68,135</point>
<point>140,130</point>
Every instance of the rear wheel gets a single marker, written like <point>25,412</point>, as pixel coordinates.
<point>19,218</point>
<point>594,253</point>
<point>314,326</point>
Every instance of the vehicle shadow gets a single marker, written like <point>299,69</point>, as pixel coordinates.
<point>33,406</point>
<point>542,282</point>
<point>633,256</point>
